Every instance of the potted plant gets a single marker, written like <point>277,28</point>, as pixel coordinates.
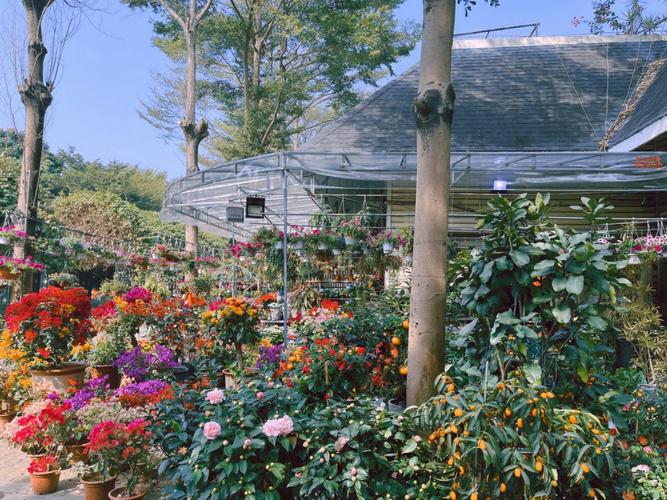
<point>149,361</point>
<point>45,326</point>
<point>353,231</point>
<point>117,448</point>
<point>11,234</point>
<point>44,474</point>
<point>234,322</point>
<point>105,348</point>
<point>41,430</point>
<point>12,267</point>
<point>389,240</point>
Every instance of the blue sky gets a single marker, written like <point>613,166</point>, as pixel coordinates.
<point>108,66</point>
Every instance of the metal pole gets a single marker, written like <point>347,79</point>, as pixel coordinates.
<point>233,261</point>
<point>281,159</point>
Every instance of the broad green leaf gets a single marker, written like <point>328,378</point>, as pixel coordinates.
<point>559,283</point>
<point>562,313</point>
<point>575,284</point>
<point>519,258</point>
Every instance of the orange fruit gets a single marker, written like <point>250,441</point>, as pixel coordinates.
<point>403,370</point>
<point>572,419</point>
<point>450,461</point>
<point>473,496</point>
<point>517,472</point>
<point>508,412</point>
<point>585,468</point>
<point>458,412</point>
<point>406,324</point>
<point>519,423</point>
<point>452,495</point>
<point>503,487</point>
<point>481,444</point>
<point>396,341</point>
<point>538,466</point>
<point>451,388</point>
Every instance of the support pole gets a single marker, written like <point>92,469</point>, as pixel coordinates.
<point>285,250</point>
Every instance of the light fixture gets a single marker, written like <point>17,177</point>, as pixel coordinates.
<point>499,185</point>
<point>234,214</point>
<point>254,207</point>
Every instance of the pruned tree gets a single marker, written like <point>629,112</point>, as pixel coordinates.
<point>187,15</point>
<point>55,20</point>
<point>434,112</point>
<point>273,71</point>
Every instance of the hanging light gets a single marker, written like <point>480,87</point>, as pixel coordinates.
<point>499,185</point>
<point>254,207</point>
<point>234,214</point>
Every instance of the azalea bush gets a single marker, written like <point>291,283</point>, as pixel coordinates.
<point>48,324</point>
<point>114,447</point>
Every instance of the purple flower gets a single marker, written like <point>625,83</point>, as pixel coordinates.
<point>147,388</point>
<point>269,357</point>
<point>140,365</point>
<point>138,293</point>
<point>94,388</point>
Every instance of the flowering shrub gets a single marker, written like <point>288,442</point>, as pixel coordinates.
<point>147,361</point>
<point>114,447</point>
<point>43,464</point>
<point>149,392</point>
<point>46,325</point>
<point>232,321</point>
<point>42,431</point>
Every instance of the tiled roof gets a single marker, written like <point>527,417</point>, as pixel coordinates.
<point>528,94</point>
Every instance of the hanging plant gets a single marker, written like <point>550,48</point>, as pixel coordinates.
<point>11,234</point>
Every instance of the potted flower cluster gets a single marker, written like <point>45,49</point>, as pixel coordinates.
<point>353,231</point>
<point>147,361</point>
<point>45,326</point>
<point>233,321</point>
<point>11,234</point>
<point>44,474</point>
<point>118,448</point>
<point>12,267</point>
<point>389,240</point>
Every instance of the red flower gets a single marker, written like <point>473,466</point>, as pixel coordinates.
<point>329,305</point>
<point>306,370</point>
<point>361,351</point>
<point>30,335</point>
<point>44,353</point>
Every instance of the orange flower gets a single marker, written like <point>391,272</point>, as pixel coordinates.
<point>643,440</point>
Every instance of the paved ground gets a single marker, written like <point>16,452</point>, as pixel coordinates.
<point>15,481</point>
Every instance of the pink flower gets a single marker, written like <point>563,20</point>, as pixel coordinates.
<point>247,443</point>
<point>648,450</point>
<point>340,443</point>
<point>211,430</point>
<point>417,438</point>
<point>260,395</point>
<point>641,468</point>
<point>215,397</point>
<point>278,427</point>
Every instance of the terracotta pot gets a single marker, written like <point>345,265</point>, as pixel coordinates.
<point>44,483</point>
<point>96,489</point>
<point>7,275</point>
<point>77,451</point>
<point>120,494</point>
<point>58,379</point>
<point>110,371</point>
<point>5,418</point>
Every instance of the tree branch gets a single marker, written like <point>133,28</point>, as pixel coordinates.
<point>172,12</point>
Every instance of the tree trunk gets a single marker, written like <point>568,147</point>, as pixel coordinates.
<point>434,112</point>
<point>193,132</point>
<point>36,97</point>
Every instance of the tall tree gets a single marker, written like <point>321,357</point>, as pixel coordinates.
<point>188,16</point>
<point>434,112</point>
<point>275,70</point>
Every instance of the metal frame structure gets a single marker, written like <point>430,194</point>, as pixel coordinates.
<point>297,185</point>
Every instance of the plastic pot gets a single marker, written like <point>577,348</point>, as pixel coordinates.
<point>113,376</point>
<point>121,494</point>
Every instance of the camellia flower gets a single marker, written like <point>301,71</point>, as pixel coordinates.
<point>260,395</point>
<point>211,430</point>
<point>278,427</point>
<point>643,468</point>
<point>215,397</point>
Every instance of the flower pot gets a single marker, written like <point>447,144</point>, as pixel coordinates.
<point>395,406</point>
<point>5,418</point>
<point>121,494</point>
<point>387,247</point>
<point>337,251</point>
<point>230,379</point>
<point>276,313</point>
<point>113,376</point>
<point>298,245</point>
<point>7,275</point>
<point>77,453</point>
<point>350,241</point>
<point>183,373</point>
<point>278,245</point>
<point>58,379</point>
<point>44,483</point>
<point>94,488</point>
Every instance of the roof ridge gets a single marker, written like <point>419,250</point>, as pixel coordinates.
<point>355,110</point>
<point>532,41</point>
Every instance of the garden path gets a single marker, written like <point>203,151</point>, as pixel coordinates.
<point>15,481</point>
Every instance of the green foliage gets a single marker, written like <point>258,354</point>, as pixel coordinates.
<point>10,169</point>
<point>305,58</point>
<point>635,19</point>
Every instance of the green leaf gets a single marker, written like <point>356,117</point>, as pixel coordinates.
<point>519,258</point>
<point>575,284</point>
<point>562,313</point>
<point>583,373</point>
<point>410,446</point>
<point>524,331</point>
<point>507,318</point>
<point>559,283</point>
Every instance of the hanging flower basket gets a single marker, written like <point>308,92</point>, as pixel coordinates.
<point>7,275</point>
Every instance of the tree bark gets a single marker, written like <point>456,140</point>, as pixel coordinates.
<point>434,107</point>
<point>193,132</point>
<point>36,97</point>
